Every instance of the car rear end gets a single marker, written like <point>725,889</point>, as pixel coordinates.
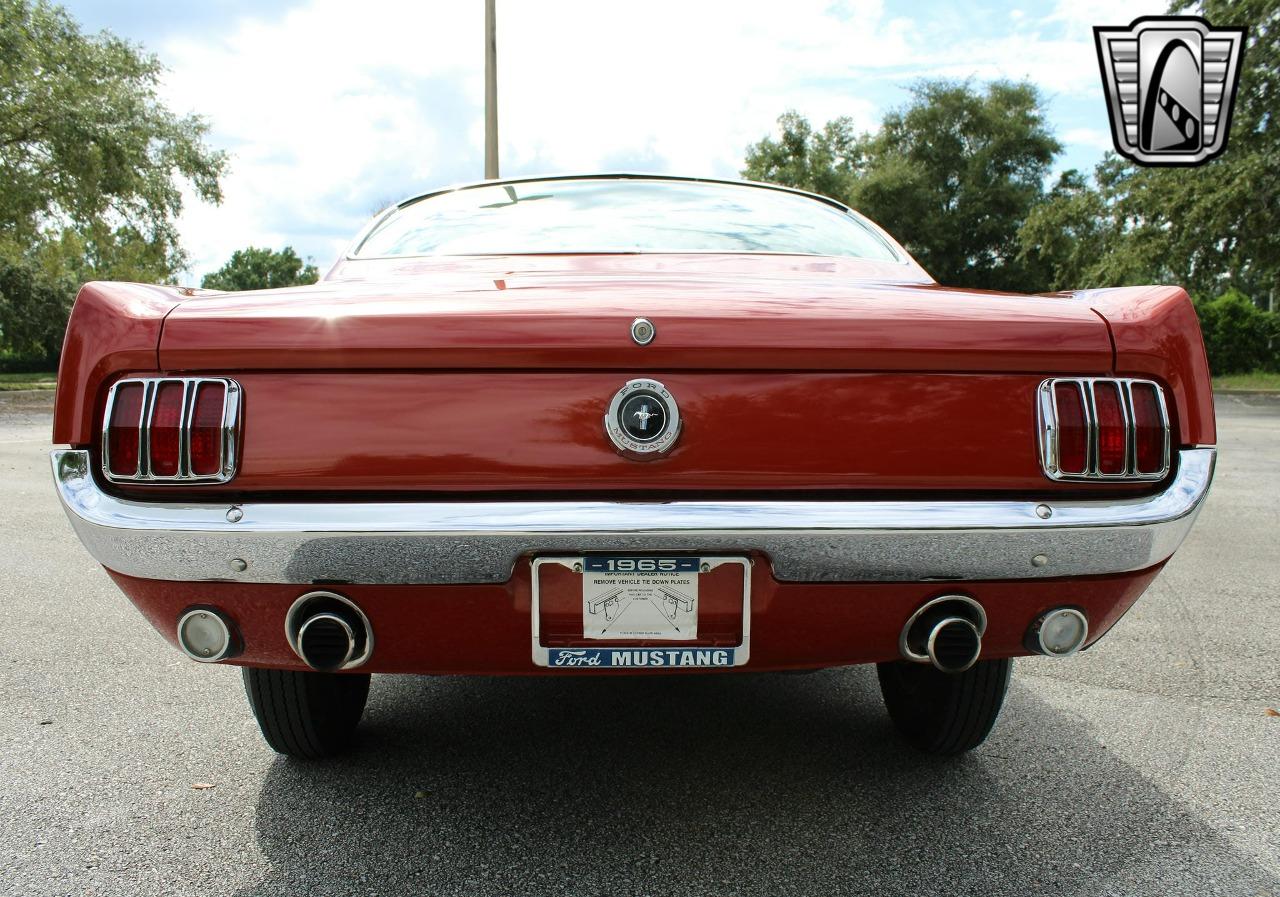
<point>634,464</point>
<point>850,469</point>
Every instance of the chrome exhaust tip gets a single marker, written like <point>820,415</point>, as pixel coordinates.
<point>953,645</point>
<point>945,632</point>
<point>326,642</point>
<point>328,632</point>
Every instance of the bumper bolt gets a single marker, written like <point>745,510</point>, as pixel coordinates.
<point>235,515</point>
<point>238,564</point>
<point>1044,512</point>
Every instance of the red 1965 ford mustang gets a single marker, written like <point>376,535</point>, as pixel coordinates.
<point>627,424</point>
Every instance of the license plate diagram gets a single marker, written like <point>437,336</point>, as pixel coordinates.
<point>640,604</point>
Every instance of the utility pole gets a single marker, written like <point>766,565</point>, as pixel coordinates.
<point>490,91</point>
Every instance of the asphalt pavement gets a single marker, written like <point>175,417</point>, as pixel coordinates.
<point>1147,765</point>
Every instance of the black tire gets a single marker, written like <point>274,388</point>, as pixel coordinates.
<point>944,713</point>
<point>306,715</point>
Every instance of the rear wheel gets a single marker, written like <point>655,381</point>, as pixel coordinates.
<point>944,713</point>
<point>306,715</point>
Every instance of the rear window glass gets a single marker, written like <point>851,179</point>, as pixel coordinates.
<point>621,215</point>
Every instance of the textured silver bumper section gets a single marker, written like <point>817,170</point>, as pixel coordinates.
<point>480,542</point>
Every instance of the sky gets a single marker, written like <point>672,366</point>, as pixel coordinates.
<point>331,110</point>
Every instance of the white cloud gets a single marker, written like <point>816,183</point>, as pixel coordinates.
<point>329,110</point>
<point>1084,14</point>
<point>1094,138</point>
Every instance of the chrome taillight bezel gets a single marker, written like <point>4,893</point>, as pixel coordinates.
<point>1047,409</point>
<point>230,428</point>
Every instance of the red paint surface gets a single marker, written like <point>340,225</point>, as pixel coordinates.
<point>1157,334</point>
<point>571,313</point>
<point>573,319</point>
<point>543,432</point>
<point>114,328</point>
<point>486,629</point>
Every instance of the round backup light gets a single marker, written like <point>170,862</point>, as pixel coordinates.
<point>1059,632</point>
<point>205,635</point>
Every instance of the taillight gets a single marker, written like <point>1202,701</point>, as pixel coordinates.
<point>124,428</point>
<point>1073,428</point>
<point>1103,428</point>
<point>165,433</point>
<point>206,429</point>
<point>1113,436</point>
<point>1150,429</point>
<point>171,430</point>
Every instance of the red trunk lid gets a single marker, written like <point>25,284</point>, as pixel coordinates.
<point>574,313</point>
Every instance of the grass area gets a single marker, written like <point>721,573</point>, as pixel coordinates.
<point>1257,380</point>
<point>11,382</point>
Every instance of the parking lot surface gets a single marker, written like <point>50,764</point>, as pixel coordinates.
<point>1147,765</point>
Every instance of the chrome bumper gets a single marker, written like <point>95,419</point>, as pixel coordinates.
<point>481,541</point>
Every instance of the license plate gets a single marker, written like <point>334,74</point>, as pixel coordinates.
<point>640,598</point>
<point>640,611</point>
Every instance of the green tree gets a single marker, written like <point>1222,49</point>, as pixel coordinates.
<point>1207,228</point>
<point>1225,216</point>
<point>92,167</point>
<point>84,140</point>
<point>822,162</point>
<point>33,309</point>
<point>1238,336</point>
<point>953,174</point>
<point>261,269</point>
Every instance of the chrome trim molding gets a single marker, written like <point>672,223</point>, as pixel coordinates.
<point>1047,412</point>
<point>481,541</point>
<point>190,387</point>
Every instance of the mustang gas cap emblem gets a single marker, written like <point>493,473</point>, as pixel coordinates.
<point>643,331</point>
<point>643,420</point>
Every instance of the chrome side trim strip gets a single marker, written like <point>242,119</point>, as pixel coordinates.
<point>481,541</point>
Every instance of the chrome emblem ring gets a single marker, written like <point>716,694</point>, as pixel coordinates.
<point>643,420</point>
<point>643,331</point>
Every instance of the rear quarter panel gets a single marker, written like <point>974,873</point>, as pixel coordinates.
<point>114,329</point>
<point>1156,333</point>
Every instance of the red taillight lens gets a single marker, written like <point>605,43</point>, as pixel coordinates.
<point>1111,427</point>
<point>124,436</point>
<point>1103,428</point>
<point>206,430</point>
<point>1149,429</point>
<point>1073,433</point>
<point>172,430</point>
<point>166,429</point>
